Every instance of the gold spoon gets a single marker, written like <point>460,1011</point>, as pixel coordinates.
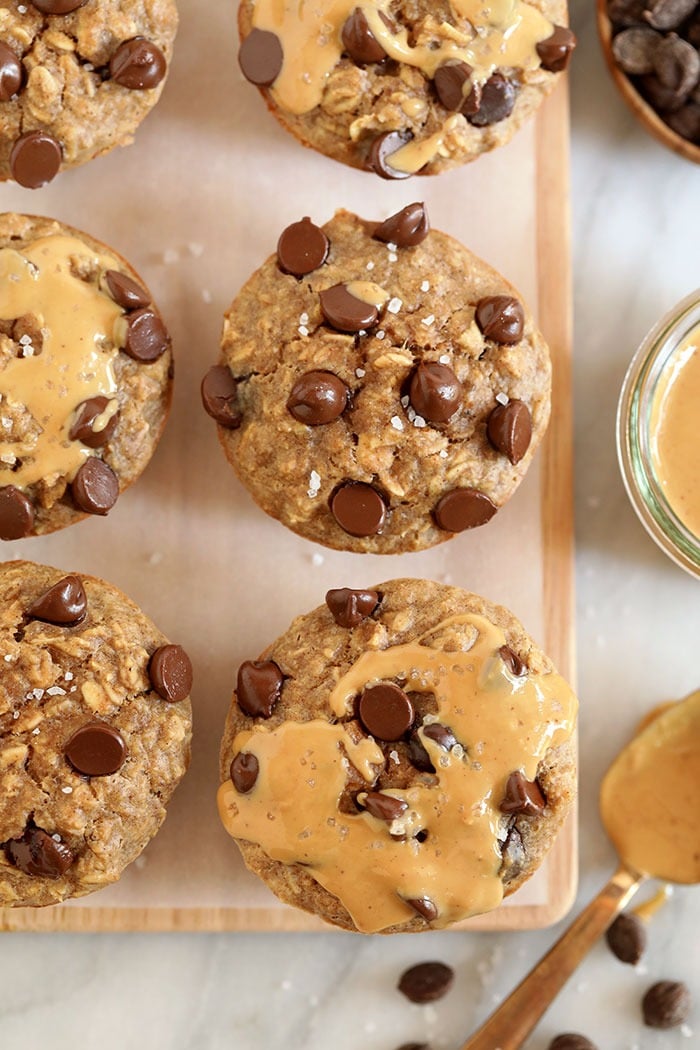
<point>648,803</point>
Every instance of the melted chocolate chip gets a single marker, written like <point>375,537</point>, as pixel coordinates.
<point>435,392</point>
<point>96,750</point>
<point>35,159</point>
<point>382,150</point>
<point>496,103</point>
<point>424,906</point>
<point>441,735</point>
<point>57,7</point>
<point>555,51</point>
<point>220,397</point>
<point>386,711</point>
<point>426,982</point>
<point>509,429</point>
<point>406,228</point>
<point>302,248</point>
<point>138,64</point>
<point>85,415</point>
<point>146,337</point>
<point>500,318</point>
<point>345,312</point>
<point>349,607</point>
<point>11,72</point>
<point>244,772</point>
<point>16,514</point>
<point>95,488</point>
<point>358,509</point>
<point>384,807</point>
<point>463,509</point>
<point>522,797</point>
<point>318,397</point>
<point>258,688</point>
<point>261,57</point>
<point>627,938</point>
<point>37,853</point>
<point>418,756</point>
<point>362,47</point>
<point>449,81</point>
<point>170,672</point>
<point>126,292</point>
<point>512,661</point>
<point>64,604</point>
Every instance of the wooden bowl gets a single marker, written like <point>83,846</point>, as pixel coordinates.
<point>641,109</point>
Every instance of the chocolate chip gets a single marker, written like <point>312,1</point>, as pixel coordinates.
<point>244,772</point>
<point>318,397</point>
<point>386,711</point>
<point>424,906</point>
<point>661,98</point>
<point>463,509</point>
<point>667,14</point>
<point>449,83</point>
<point>261,57</point>
<point>512,661</point>
<point>512,855</point>
<point>426,982</point>
<point>96,750</point>
<point>258,687</point>
<point>627,938</point>
<point>509,429</point>
<point>11,72</point>
<point>500,318</point>
<point>362,47</point>
<point>440,734</point>
<point>414,1046</point>
<point>302,248</point>
<point>384,807</point>
<point>418,756</point>
<point>170,672</point>
<point>35,159</point>
<point>57,7</point>
<point>522,797</point>
<point>666,1004</point>
<point>435,392</point>
<point>571,1041</point>
<point>358,509</point>
<point>64,604</point>
<point>633,50</point>
<point>345,312</point>
<point>138,64</point>
<point>126,292</point>
<point>555,52</point>
<point>95,488</point>
<point>497,100</point>
<point>16,514</point>
<point>349,607</point>
<point>146,337</point>
<point>406,228</point>
<point>686,121</point>
<point>86,414</point>
<point>677,65</point>
<point>37,853</point>
<point>220,397</point>
<point>382,150</point>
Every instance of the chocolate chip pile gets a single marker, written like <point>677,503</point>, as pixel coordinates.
<point>656,43</point>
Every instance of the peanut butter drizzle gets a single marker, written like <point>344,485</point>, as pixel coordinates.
<point>76,362</point>
<point>368,292</point>
<point>416,154</point>
<point>502,723</point>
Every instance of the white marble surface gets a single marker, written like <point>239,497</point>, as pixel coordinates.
<point>636,251</point>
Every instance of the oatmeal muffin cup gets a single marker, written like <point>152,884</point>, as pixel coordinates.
<point>399,760</point>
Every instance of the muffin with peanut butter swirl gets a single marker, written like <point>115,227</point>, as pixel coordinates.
<point>85,376</point>
<point>399,760</point>
<point>401,87</point>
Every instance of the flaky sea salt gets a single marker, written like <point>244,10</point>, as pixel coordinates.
<point>419,421</point>
<point>303,318</point>
<point>380,334</point>
<point>444,359</point>
<point>397,423</point>
<point>428,321</point>
<point>443,453</point>
<point>393,257</point>
<point>314,484</point>
<point>425,286</point>
<point>360,373</point>
<point>67,790</point>
<point>370,265</point>
<point>502,399</point>
<point>394,305</point>
<point>25,340</point>
<point>55,690</point>
<point>69,676</point>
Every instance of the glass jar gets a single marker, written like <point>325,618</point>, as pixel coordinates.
<point>655,369</point>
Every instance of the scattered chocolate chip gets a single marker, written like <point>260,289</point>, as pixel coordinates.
<point>661,98</point>
<point>382,150</point>
<point>349,608</point>
<point>37,853</point>
<point>555,51</point>
<point>220,397</point>
<point>500,318</point>
<point>509,429</point>
<point>627,938</point>
<point>244,772</point>
<point>666,1004</point>
<point>633,49</point>
<point>512,661</point>
<point>426,982</point>
<point>345,312</point>
<point>686,121</point>
<point>667,14</point>
<point>414,1046</point>
<point>497,100</point>
<point>358,509</point>
<point>302,248</point>
<point>96,750</point>
<point>64,604</point>
<point>85,416</point>
<point>146,337</point>
<point>318,397</point>
<point>386,711</point>
<point>571,1041</point>
<point>512,855</point>
<point>95,488</point>
<point>170,672</point>
<point>11,72</point>
<point>626,12</point>
<point>424,906</point>
<point>138,64</point>
<point>522,797</point>
<point>463,509</point>
<point>362,47</point>
<point>16,514</point>
<point>126,292</point>
<point>677,65</point>
<point>35,159</point>
<point>261,57</point>
<point>406,228</point>
<point>258,687</point>
<point>435,392</point>
<point>57,7</point>
<point>384,807</point>
<point>418,756</point>
<point>441,735</point>
<point>449,83</point>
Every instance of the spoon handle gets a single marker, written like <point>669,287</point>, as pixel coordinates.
<point>515,1018</point>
